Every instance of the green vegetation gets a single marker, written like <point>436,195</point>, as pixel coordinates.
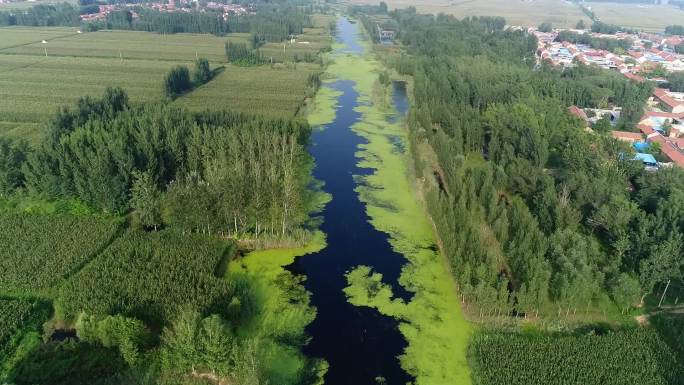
<point>240,54</point>
<point>532,211</point>
<point>283,310</point>
<point>671,329</point>
<point>154,297</point>
<point>277,92</point>
<point>147,276</point>
<point>32,85</point>
<point>39,251</point>
<point>620,357</point>
<point>177,81</point>
<point>219,172</point>
<point>20,322</point>
<point>613,45</point>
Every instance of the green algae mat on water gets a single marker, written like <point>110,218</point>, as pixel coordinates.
<point>283,313</point>
<point>432,322</point>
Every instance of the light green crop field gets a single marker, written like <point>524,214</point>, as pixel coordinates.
<point>32,86</point>
<point>17,36</point>
<point>640,16</point>
<point>133,45</point>
<point>517,12</point>
<point>275,92</point>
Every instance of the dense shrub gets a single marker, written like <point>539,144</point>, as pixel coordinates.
<point>177,81</point>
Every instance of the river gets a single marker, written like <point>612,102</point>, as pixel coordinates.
<point>360,344</point>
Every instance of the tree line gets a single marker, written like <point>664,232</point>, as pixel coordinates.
<point>216,172</point>
<point>612,45</point>
<point>536,215</point>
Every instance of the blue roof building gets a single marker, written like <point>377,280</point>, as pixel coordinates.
<point>647,159</point>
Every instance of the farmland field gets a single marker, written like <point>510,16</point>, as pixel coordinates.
<point>147,274</point>
<point>517,12</point>
<point>133,45</point>
<point>636,356</point>
<point>40,250</point>
<point>641,16</point>
<point>32,85</point>
<point>276,93</point>
<point>17,36</point>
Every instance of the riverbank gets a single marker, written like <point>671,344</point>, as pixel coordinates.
<point>431,321</point>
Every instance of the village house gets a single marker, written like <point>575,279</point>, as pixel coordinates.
<point>669,101</point>
<point>629,137</point>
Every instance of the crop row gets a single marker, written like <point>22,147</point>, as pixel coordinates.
<point>637,356</point>
<point>147,275</point>
<point>39,250</point>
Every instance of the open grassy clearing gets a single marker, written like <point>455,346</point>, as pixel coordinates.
<point>517,12</point>
<point>274,92</point>
<point>16,36</point>
<point>647,17</point>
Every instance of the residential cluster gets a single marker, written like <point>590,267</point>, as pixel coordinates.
<point>661,129</point>
<point>647,51</point>
<point>169,6</point>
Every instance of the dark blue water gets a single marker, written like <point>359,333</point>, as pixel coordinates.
<point>359,343</point>
<point>399,99</point>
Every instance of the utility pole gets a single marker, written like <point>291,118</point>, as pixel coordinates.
<point>665,291</point>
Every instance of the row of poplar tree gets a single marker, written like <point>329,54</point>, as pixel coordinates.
<point>216,172</point>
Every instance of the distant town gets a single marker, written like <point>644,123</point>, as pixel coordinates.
<point>169,6</point>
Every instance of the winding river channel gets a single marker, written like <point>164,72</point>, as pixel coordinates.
<point>360,344</point>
